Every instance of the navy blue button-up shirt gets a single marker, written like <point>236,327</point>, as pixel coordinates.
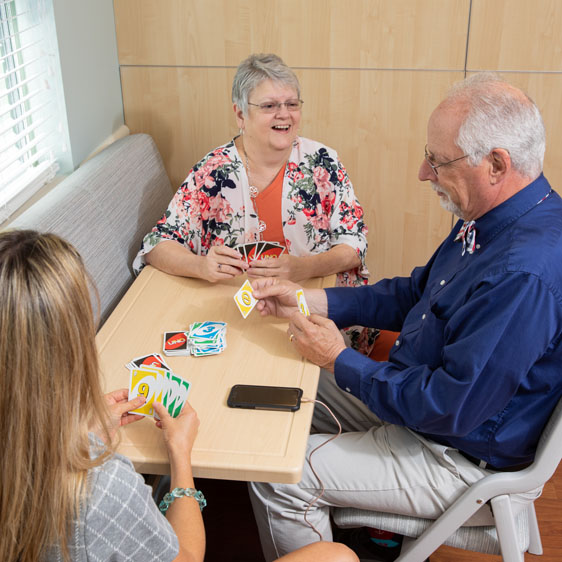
<point>478,362</point>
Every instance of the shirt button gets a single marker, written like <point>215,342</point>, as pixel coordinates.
<point>477,246</point>
<point>442,282</point>
<point>397,343</point>
<point>423,316</point>
<point>347,389</point>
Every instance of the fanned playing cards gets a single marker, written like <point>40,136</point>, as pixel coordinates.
<point>158,384</point>
<point>260,250</point>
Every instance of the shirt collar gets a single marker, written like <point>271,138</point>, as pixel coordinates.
<point>493,222</point>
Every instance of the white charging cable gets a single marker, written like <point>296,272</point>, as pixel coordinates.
<point>322,488</point>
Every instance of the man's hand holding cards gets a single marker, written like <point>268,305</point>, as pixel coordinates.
<point>301,303</point>
<point>244,299</point>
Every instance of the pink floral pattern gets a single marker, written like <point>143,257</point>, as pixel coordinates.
<point>319,207</point>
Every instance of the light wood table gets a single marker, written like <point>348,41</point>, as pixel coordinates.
<point>232,444</point>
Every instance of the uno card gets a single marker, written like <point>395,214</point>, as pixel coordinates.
<point>242,250</point>
<point>175,342</point>
<point>207,350</point>
<point>206,332</point>
<point>301,303</point>
<point>244,299</point>
<point>176,394</point>
<point>206,338</point>
<point>152,360</point>
<point>148,383</point>
<point>160,385</point>
<point>252,251</point>
<point>270,250</point>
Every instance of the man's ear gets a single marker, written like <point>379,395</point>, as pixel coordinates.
<point>500,161</point>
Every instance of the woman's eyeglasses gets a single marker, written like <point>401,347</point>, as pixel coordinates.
<point>274,107</point>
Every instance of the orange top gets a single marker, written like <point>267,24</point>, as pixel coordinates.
<point>383,344</point>
<point>269,209</point>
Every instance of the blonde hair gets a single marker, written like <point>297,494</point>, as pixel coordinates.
<point>51,392</point>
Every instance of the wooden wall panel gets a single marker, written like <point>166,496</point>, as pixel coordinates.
<point>186,110</point>
<point>371,73</point>
<point>515,35</point>
<point>311,33</point>
<point>360,114</point>
<point>377,122</point>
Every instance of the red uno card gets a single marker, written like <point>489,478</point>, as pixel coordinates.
<point>240,248</point>
<point>252,251</point>
<point>152,360</point>
<point>270,250</point>
<point>175,341</point>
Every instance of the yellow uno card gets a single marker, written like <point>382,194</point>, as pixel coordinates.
<point>148,383</point>
<point>301,303</point>
<point>245,299</point>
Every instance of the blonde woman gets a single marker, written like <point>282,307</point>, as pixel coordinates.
<point>64,493</point>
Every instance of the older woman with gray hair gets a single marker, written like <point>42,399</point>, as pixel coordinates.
<point>266,185</point>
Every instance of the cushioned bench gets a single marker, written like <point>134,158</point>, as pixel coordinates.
<point>105,208</point>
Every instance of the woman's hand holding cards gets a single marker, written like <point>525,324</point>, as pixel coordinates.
<point>285,266</point>
<point>118,406</point>
<point>180,432</point>
<point>222,263</point>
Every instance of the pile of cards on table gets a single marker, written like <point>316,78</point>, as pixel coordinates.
<point>207,338</point>
<point>203,338</point>
<point>152,378</point>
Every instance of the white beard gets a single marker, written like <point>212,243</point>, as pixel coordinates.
<point>445,201</point>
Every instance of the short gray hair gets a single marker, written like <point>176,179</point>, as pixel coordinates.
<point>499,116</point>
<point>254,70</point>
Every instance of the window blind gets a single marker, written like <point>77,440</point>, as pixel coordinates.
<point>29,122</point>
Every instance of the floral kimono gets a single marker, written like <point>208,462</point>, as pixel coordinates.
<point>319,210</point>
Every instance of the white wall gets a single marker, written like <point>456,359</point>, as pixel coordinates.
<point>89,85</point>
<point>87,45</point>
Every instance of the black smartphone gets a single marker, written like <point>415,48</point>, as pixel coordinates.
<point>257,397</point>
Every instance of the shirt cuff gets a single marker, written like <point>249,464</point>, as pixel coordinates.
<point>342,305</point>
<point>348,368</point>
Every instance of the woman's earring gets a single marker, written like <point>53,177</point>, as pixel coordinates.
<point>240,131</point>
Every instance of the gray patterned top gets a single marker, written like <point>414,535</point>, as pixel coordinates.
<point>119,521</point>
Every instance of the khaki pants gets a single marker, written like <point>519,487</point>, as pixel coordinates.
<point>372,465</point>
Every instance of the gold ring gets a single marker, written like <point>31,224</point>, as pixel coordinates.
<point>291,337</point>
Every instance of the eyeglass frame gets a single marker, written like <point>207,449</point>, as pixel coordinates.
<point>277,105</point>
<point>434,167</point>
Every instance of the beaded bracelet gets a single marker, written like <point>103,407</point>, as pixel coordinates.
<point>180,493</point>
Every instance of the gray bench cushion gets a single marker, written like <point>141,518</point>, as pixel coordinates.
<point>104,209</point>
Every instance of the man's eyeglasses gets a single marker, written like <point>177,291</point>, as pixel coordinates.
<point>274,107</point>
<point>434,167</point>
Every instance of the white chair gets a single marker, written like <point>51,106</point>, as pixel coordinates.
<point>508,528</point>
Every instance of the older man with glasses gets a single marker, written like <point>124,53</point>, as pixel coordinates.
<point>475,371</point>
